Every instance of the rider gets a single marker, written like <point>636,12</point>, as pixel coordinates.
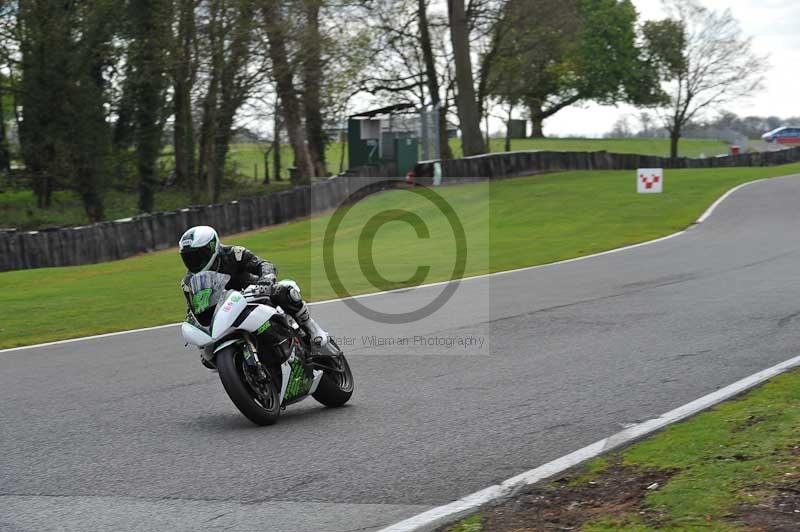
<point>201,250</point>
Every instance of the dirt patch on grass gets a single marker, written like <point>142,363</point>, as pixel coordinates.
<point>563,505</point>
<point>778,506</point>
<point>747,423</point>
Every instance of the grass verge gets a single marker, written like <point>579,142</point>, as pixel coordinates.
<point>508,224</point>
<point>734,467</point>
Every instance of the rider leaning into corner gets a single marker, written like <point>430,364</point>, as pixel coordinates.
<point>201,250</point>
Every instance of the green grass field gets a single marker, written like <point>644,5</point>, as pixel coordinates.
<point>508,224</point>
<point>734,467</point>
<point>246,161</point>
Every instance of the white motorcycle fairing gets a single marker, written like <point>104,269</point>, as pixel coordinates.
<point>222,322</point>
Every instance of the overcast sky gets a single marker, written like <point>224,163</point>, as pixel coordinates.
<point>774,26</point>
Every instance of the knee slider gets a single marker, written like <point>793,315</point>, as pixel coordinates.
<point>291,289</point>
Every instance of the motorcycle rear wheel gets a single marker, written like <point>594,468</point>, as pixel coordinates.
<point>335,388</point>
<point>262,405</point>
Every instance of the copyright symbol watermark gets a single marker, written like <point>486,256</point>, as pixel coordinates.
<point>366,261</point>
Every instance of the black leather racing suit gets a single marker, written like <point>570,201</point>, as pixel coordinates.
<point>246,268</point>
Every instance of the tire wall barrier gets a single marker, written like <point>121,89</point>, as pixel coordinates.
<point>515,164</point>
<point>118,239</point>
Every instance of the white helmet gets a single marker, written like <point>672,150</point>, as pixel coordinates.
<point>199,247</point>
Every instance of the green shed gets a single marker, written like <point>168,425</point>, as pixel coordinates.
<point>373,138</point>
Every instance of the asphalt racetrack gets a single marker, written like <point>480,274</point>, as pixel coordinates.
<point>130,432</point>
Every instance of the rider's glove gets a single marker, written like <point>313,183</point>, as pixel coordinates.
<point>267,280</point>
<point>265,284</point>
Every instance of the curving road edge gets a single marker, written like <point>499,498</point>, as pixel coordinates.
<point>452,512</point>
<point>449,513</point>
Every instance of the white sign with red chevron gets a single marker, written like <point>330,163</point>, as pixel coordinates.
<point>649,180</point>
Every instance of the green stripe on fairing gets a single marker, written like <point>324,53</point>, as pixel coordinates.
<point>298,382</point>
<point>200,300</point>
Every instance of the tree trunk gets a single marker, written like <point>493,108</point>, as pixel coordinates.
<point>343,141</point>
<point>432,78</point>
<point>507,147</point>
<point>207,166</point>
<point>266,166</point>
<point>222,141</point>
<point>230,37</point>
<point>221,153</point>
<point>276,144</point>
<point>208,130</point>
<point>537,120</point>
<point>312,81</point>
<point>147,59</point>
<point>468,113</point>
<point>674,138</point>
<point>290,104</point>
<point>90,142</point>
<point>5,156</point>
<point>488,138</point>
<point>183,139</point>
<point>444,141</point>
<point>184,77</point>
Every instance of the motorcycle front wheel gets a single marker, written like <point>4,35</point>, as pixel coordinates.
<point>259,401</point>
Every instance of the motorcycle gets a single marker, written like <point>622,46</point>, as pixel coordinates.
<point>265,360</point>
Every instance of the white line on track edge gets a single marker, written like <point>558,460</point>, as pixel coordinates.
<point>449,513</point>
<point>705,215</point>
<point>702,218</point>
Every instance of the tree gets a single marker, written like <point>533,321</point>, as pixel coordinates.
<point>277,124</point>
<point>184,76</point>
<point>147,80</point>
<point>312,69</point>
<point>9,43</point>
<point>6,103</point>
<point>44,45</point>
<point>468,113</point>
<point>231,76</point>
<point>715,66</point>
<point>283,72</point>
<point>412,40</point>
<point>66,52</point>
<point>432,78</point>
<point>571,51</point>
<point>621,129</point>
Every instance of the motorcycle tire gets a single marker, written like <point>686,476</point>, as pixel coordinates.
<point>261,410</point>
<point>335,388</point>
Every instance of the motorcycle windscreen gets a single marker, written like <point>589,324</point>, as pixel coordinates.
<point>207,288</point>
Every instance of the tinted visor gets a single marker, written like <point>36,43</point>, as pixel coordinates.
<point>196,259</point>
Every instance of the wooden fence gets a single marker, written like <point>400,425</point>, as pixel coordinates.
<point>119,239</point>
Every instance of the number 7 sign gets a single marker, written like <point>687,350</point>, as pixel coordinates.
<point>649,180</point>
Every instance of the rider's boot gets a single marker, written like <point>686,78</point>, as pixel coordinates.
<point>287,295</point>
<point>319,338</point>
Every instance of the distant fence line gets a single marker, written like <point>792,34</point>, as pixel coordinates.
<point>113,240</point>
<point>118,239</point>
<point>513,164</point>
